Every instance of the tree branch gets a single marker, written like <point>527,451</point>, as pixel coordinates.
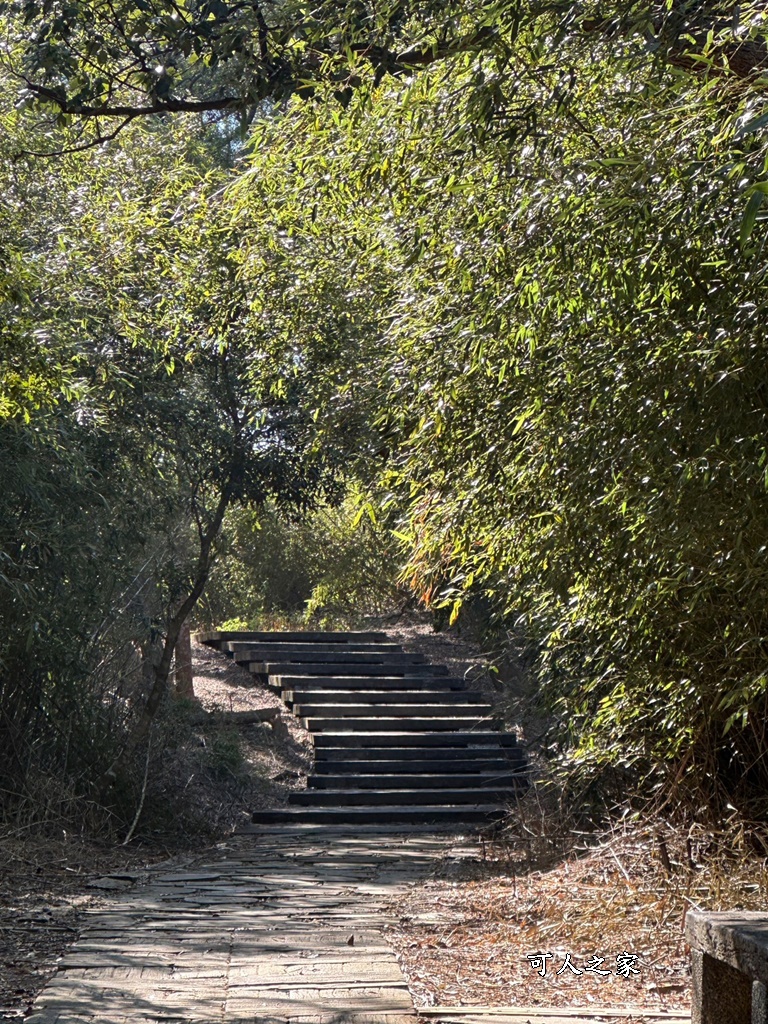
<point>263,30</point>
<point>683,45</point>
<point>423,56</point>
<point>170,106</point>
<point>744,60</point>
<point>687,47</point>
<point>99,140</point>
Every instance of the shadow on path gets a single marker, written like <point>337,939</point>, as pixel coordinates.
<point>276,926</point>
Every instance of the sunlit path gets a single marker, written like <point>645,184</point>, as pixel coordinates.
<point>276,926</point>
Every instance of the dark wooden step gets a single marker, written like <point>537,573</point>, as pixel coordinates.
<point>273,651</point>
<point>306,696</point>
<point>340,766</point>
<point>477,780</point>
<point>345,658</point>
<point>405,712</point>
<point>340,668</point>
<point>402,797</point>
<point>458,816</point>
<point>216,636</point>
<point>353,684</point>
<point>455,756</point>
<point>389,724</point>
<point>481,739</point>
<point>352,664</point>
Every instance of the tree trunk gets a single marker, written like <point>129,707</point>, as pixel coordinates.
<point>162,669</point>
<point>183,657</point>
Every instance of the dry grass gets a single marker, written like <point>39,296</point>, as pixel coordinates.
<point>277,757</point>
<point>46,884</point>
<point>465,939</point>
<point>542,886</point>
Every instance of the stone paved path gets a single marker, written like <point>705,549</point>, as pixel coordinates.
<point>276,926</point>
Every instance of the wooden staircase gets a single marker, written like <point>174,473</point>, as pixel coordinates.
<point>397,740</point>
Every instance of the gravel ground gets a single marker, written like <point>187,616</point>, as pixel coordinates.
<point>284,754</point>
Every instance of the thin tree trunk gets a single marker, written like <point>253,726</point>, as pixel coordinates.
<point>162,669</point>
<point>183,659</point>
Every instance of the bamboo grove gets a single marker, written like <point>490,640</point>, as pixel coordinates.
<point>495,270</point>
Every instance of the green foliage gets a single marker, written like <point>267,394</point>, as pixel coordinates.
<point>567,313</point>
<point>511,307</point>
<point>55,718</point>
<point>328,568</point>
<point>135,411</point>
<point>87,61</point>
<point>224,753</point>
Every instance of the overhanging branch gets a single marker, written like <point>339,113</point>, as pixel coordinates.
<point>689,47</point>
<point>99,140</point>
<point>130,111</point>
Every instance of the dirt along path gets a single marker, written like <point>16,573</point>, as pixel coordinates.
<point>275,926</point>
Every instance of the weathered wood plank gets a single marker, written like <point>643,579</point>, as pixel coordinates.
<point>555,1016</point>
<point>494,1014</point>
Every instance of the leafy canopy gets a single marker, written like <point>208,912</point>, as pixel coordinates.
<point>560,305</point>
<point>96,61</point>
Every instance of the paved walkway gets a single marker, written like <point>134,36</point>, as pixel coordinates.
<point>277,926</point>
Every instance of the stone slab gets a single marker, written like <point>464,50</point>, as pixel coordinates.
<point>737,938</point>
<point>197,946</point>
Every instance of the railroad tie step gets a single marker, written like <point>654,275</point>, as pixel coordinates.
<point>340,668</point>
<point>402,797</point>
<point>458,816</point>
<point>304,696</point>
<point>351,684</point>
<point>216,637</point>
<point>371,724</point>
<point>373,710</point>
<point>273,650</point>
<point>474,781</point>
<point>345,658</point>
<point>360,765</point>
<point>480,739</point>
